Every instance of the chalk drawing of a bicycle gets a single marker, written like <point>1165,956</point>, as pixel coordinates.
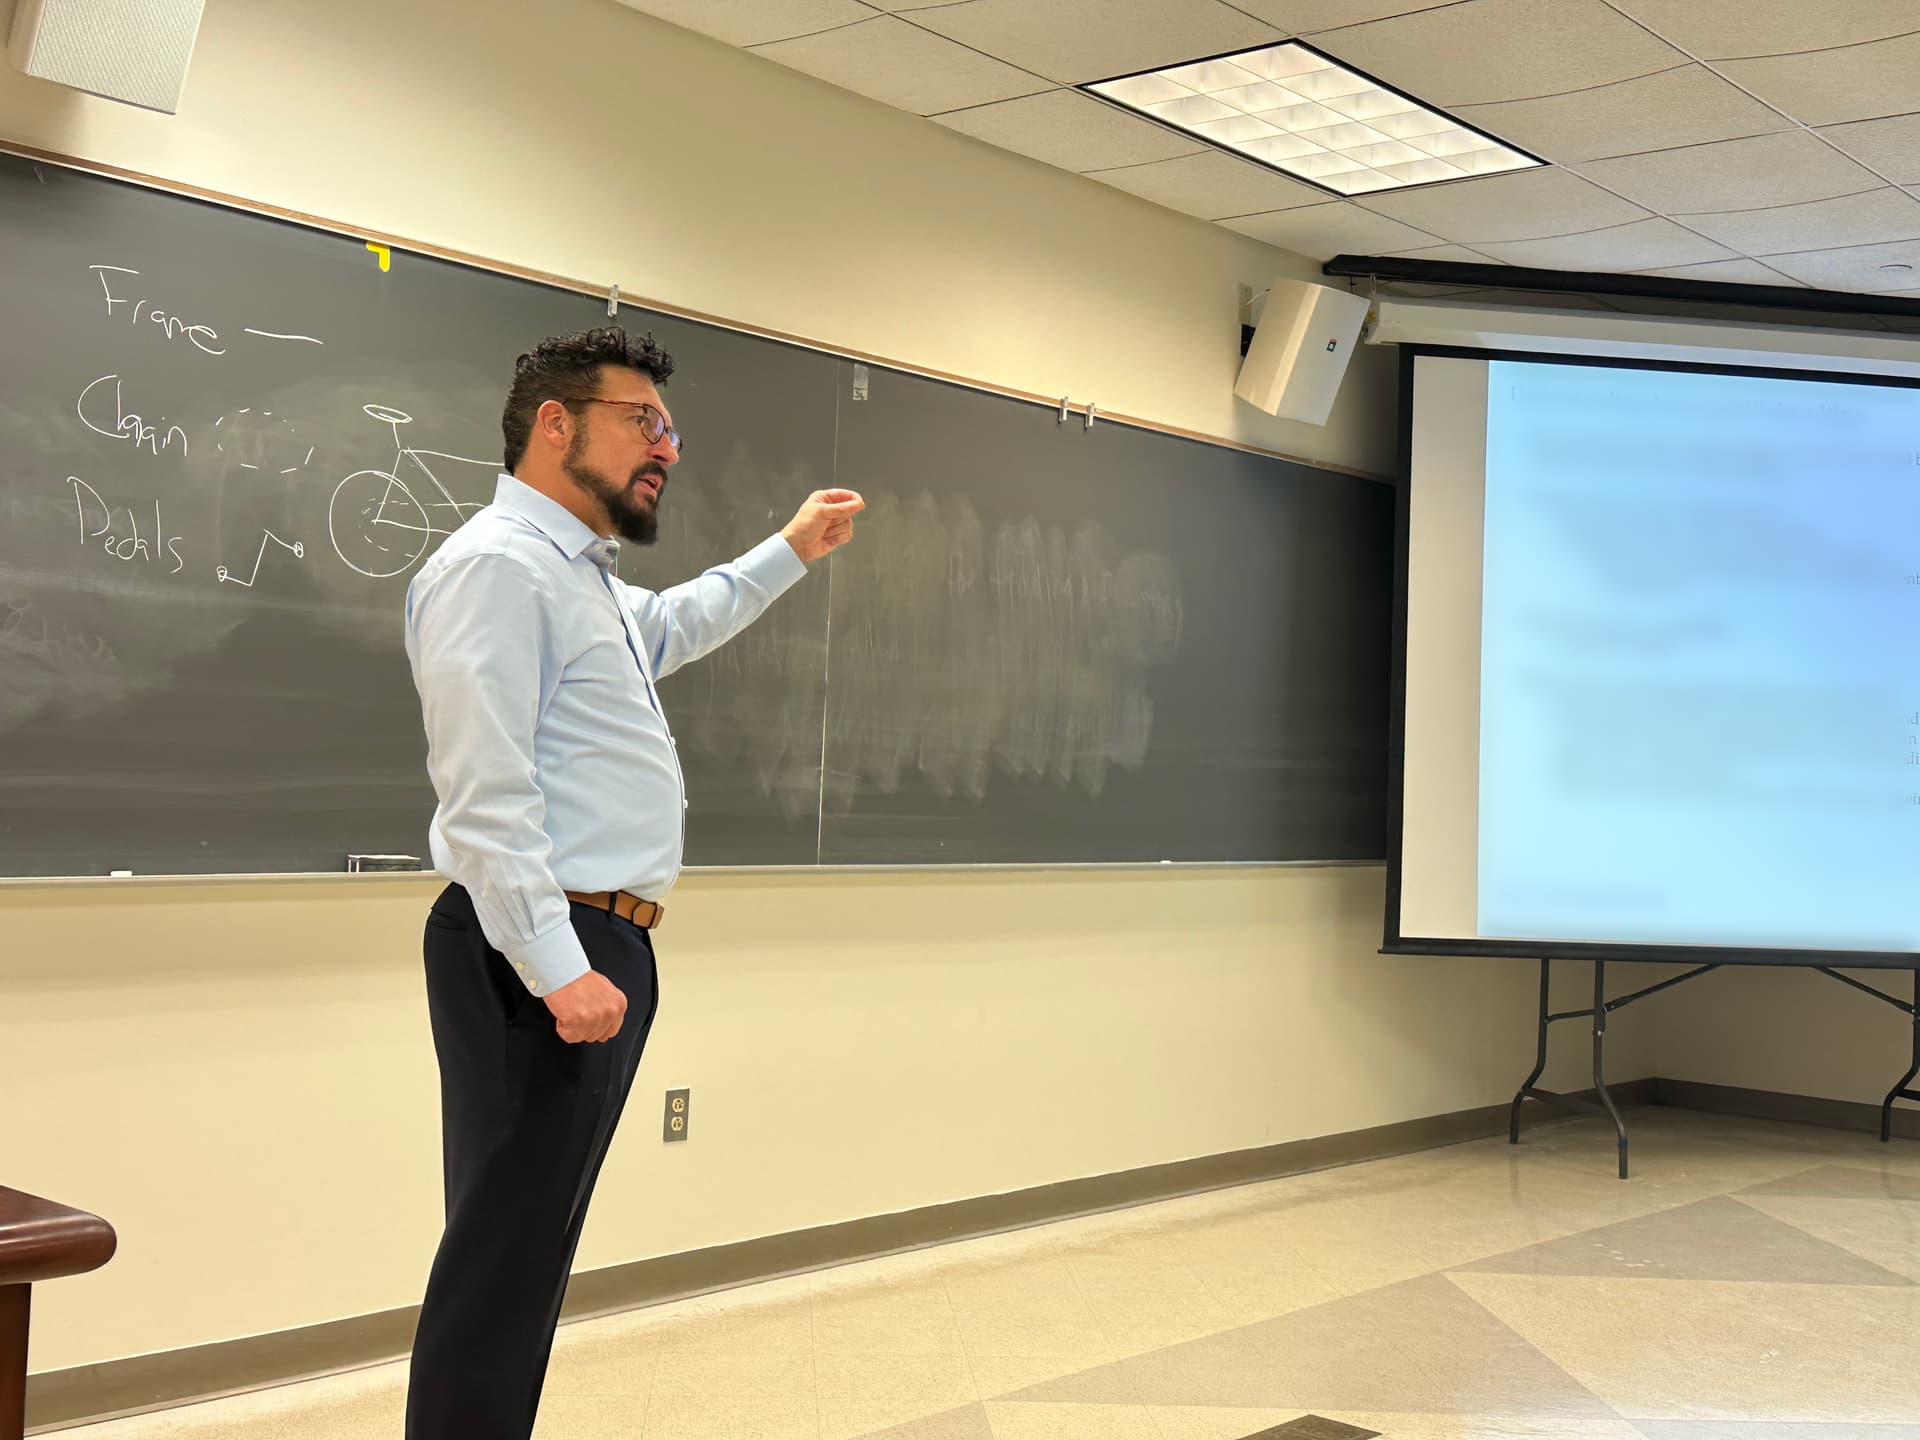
<point>378,524</point>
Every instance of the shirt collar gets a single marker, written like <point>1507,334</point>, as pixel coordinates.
<point>566,530</point>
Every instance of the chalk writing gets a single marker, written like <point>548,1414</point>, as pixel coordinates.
<point>202,337</point>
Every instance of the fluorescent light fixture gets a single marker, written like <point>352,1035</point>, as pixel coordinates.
<point>1294,110</point>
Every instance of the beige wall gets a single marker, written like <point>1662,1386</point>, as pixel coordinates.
<point>238,1074</point>
<point>1791,1031</point>
<point>626,151</point>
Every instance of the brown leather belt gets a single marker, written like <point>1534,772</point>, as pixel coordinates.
<point>647,914</point>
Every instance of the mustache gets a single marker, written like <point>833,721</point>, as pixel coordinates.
<point>654,469</point>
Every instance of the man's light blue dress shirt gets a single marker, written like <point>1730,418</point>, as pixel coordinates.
<point>546,741</point>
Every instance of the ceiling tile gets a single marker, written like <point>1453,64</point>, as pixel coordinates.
<point>1303,17</point>
<point>1453,254</point>
<point>754,22</point>
<point>1071,130</point>
<point>1635,246</point>
<point>1210,185</point>
<point>1728,272</point>
<point>897,64</point>
<point>1855,82</point>
<point>1486,50</point>
<point>1784,169</point>
<point>1074,41</point>
<point>1728,29</point>
<point>1525,205</point>
<point>1890,146</point>
<point>1689,106</point>
<point>1338,228</point>
<point>1880,215</point>
<point>1856,268</point>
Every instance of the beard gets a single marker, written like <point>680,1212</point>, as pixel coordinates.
<point>634,512</point>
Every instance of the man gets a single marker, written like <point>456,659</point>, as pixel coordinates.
<point>560,824</point>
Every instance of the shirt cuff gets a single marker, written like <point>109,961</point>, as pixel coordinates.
<point>774,563</point>
<point>551,960</point>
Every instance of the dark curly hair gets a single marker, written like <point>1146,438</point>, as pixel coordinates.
<point>567,367</point>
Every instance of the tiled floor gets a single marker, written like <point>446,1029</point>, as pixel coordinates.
<point>1752,1282</point>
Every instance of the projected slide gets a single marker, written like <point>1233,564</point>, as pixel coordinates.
<point>1700,674</point>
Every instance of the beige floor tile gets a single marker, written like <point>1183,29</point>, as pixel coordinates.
<point>989,1333</point>
<point>856,1417</point>
<point>786,1329</point>
<point>1036,1304</point>
<point>1397,1425</point>
<point>998,1375</point>
<point>762,1417</point>
<point>740,1373</point>
<point>1886,1232</point>
<point>1010,1279</point>
<point>1143,1245</point>
<point>1210,1422</point>
<point>1768,1430</point>
<point>1114,1311</point>
<point>925,1334</point>
<point>1658,1349</point>
<point>602,1364</point>
<point>882,1299</point>
<point>915,1320</point>
<point>1843,1182</point>
<point>1680,1148</point>
<point>941,1382</point>
<point>1098,1274</point>
<point>1361,1273</point>
<point>590,1417</point>
<point>1017,1421</point>
<point>363,1405</point>
<point>1261,1293</point>
<point>1341,1353</point>
<point>1259,1240</point>
<point>1712,1240</point>
<point>1135,1323</point>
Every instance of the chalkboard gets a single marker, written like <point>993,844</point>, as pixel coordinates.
<point>227,441</point>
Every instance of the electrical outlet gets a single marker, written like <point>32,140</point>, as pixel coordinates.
<point>675,1127</point>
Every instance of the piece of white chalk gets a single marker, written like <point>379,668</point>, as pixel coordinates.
<point>116,874</point>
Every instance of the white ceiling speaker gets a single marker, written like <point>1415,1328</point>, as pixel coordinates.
<point>131,50</point>
<point>1301,346</point>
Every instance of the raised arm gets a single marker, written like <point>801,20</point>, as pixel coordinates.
<point>687,621</point>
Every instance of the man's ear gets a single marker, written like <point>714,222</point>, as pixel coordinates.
<point>553,421</point>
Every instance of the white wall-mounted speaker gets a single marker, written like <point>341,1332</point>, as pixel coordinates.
<point>1305,337</point>
<point>131,50</point>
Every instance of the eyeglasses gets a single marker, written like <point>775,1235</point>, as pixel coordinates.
<point>652,423</point>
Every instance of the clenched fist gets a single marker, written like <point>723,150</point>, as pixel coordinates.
<point>588,1010</point>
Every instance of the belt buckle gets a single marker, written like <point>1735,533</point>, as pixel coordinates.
<point>632,917</point>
